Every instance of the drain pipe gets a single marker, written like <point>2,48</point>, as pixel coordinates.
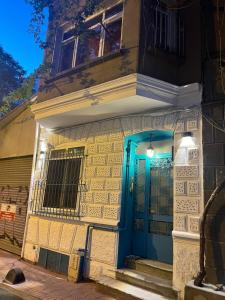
<point>201,275</point>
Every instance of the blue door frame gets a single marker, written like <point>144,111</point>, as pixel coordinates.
<point>139,243</point>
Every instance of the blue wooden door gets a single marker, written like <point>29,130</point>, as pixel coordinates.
<point>152,188</point>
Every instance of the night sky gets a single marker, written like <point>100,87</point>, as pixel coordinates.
<point>14,35</point>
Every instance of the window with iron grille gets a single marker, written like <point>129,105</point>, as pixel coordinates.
<point>167,29</point>
<point>59,187</point>
<point>101,36</point>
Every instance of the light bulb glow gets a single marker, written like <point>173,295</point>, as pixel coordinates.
<point>150,152</point>
<point>187,142</point>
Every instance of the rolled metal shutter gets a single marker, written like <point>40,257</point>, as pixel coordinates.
<point>15,174</point>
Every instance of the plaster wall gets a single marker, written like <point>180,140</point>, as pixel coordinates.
<point>104,141</point>
<point>17,137</point>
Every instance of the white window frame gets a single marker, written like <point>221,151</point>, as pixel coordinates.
<point>105,22</point>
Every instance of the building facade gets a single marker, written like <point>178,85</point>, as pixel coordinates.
<point>119,159</point>
<point>17,136</point>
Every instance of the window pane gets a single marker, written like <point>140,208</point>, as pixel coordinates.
<point>66,56</point>
<point>88,46</point>
<point>114,10</point>
<point>56,170</point>
<point>113,37</point>
<point>71,183</point>
<point>68,34</point>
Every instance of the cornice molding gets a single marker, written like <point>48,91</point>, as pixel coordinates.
<point>128,87</point>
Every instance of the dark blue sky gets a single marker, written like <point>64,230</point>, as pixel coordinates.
<point>14,35</point>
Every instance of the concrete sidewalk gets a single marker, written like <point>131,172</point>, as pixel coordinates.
<point>45,285</point>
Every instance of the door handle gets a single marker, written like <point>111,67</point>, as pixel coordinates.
<point>132,185</point>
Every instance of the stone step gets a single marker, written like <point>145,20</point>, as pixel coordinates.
<point>151,267</point>
<point>124,291</point>
<point>149,282</point>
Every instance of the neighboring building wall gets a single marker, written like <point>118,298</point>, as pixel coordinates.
<point>162,64</point>
<point>17,135</point>
<point>101,203</point>
<point>214,135</point>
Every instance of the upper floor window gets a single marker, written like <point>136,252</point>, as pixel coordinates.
<point>102,36</point>
<point>167,29</point>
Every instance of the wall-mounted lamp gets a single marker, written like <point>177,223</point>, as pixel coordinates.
<point>188,134</point>
<point>150,150</point>
<point>187,140</point>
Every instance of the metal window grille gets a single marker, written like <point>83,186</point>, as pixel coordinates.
<point>59,187</point>
<point>167,30</point>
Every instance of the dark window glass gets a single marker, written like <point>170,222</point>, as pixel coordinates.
<point>68,34</point>
<point>94,21</point>
<point>114,10</point>
<point>63,179</point>
<point>54,184</point>
<point>88,45</point>
<point>66,56</point>
<point>112,37</point>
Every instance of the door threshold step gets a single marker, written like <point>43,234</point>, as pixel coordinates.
<point>151,267</point>
<point>124,290</point>
<point>149,282</point>
<point>156,264</point>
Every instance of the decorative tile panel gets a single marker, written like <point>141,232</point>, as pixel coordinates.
<point>194,224</point>
<point>83,209</point>
<point>118,146</point>
<point>88,197</point>
<point>101,197</point>
<point>181,156</point>
<point>95,211</point>
<point>112,184</point>
<point>187,205</point>
<point>193,155</point>
<point>187,171</point>
<point>105,148</point>
<point>180,187</point>
<point>115,136</point>
<point>92,149</point>
<point>180,223</point>
<point>193,188</point>
<point>103,171</point>
<point>114,197</point>
<point>89,161</point>
<point>90,172</point>
<point>180,127</point>
<point>115,158</point>
<point>116,171</point>
<point>101,138</point>
<point>99,160</point>
<point>111,212</point>
<point>97,184</point>
<point>192,125</point>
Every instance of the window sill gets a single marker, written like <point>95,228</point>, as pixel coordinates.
<point>86,65</point>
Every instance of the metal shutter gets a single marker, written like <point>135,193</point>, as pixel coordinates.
<point>15,174</point>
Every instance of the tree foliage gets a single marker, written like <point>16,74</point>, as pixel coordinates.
<point>18,96</point>
<point>56,8</point>
<point>11,74</point>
